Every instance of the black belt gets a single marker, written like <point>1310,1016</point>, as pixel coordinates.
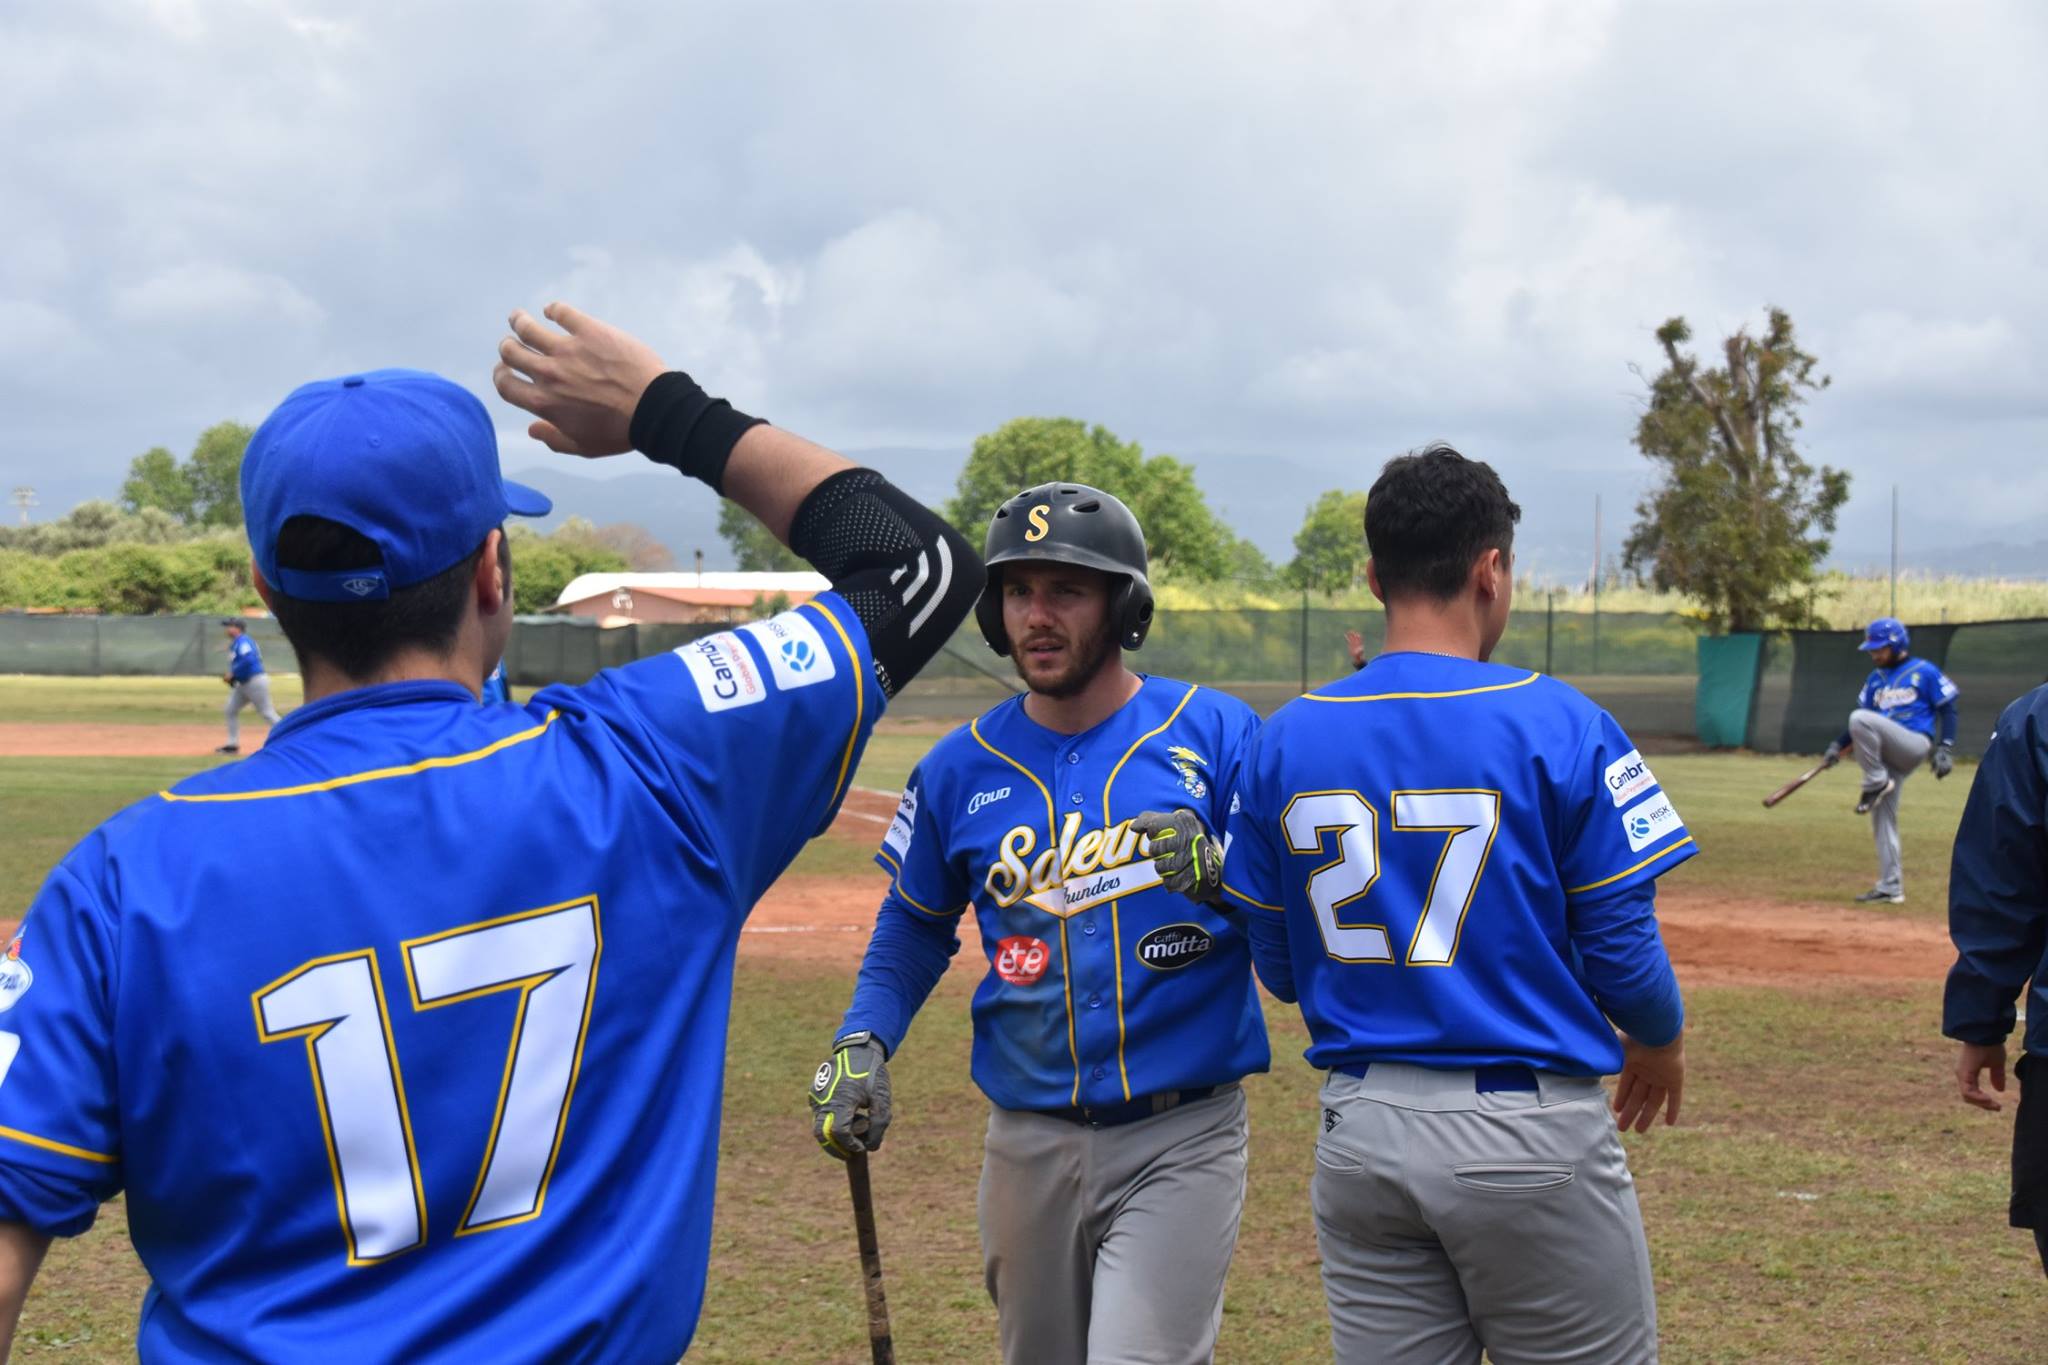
<point>1485,1079</point>
<point>1130,1111</point>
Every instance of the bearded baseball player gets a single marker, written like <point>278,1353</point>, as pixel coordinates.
<point>1450,864</point>
<point>1892,731</point>
<point>1116,1017</point>
<point>405,1036</point>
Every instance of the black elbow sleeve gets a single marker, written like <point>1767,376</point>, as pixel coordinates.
<point>909,577</point>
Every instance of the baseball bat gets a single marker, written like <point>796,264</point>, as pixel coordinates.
<point>1796,783</point>
<point>879,1342</point>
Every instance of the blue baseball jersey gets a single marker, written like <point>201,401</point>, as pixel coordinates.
<point>245,661</point>
<point>1437,838</point>
<point>406,1036</point>
<point>494,692</point>
<point>1909,693</point>
<point>1102,985</point>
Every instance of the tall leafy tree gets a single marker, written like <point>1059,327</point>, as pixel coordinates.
<point>1739,519</point>
<point>214,470</point>
<point>1329,549</point>
<point>1182,536</point>
<point>754,546</point>
<point>156,480</point>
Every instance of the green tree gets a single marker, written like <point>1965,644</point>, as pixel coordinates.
<point>1182,536</point>
<point>155,480</point>
<point>1329,549</point>
<point>544,565</point>
<point>1739,520</point>
<point>755,549</point>
<point>214,470</point>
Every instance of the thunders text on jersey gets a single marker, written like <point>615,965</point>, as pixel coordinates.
<point>1074,872</point>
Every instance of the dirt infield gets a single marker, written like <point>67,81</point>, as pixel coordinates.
<point>1714,939</point>
<point>37,739</point>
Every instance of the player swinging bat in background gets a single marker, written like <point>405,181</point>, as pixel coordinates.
<point>1450,864</point>
<point>323,1012</point>
<point>1115,1019</point>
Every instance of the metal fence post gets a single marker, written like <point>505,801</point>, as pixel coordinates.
<point>1549,628</point>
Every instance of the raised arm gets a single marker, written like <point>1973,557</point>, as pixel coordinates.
<point>599,391</point>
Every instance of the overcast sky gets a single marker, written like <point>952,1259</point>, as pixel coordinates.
<point>1320,231</point>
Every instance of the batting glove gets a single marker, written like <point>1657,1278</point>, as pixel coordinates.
<point>1833,755</point>
<point>1187,856</point>
<point>850,1097</point>
<point>1944,760</point>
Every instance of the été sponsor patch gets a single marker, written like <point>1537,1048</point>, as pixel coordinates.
<point>1021,960</point>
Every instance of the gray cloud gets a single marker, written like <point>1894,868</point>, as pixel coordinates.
<point>1318,231</point>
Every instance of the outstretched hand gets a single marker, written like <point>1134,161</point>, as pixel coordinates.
<point>583,382</point>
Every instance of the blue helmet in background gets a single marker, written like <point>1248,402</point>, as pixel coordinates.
<point>1886,632</point>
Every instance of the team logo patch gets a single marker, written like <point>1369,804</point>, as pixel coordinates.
<point>15,976</point>
<point>1021,959</point>
<point>989,798</point>
<point>361,587</point>
<point>796,652</point>
<point>1331,1118</point>
<point>823,1078</point>
<point>1173,946</point>
<point>1185,762</point>
<point>1628,777</point>
<point>1649,821</point>
<point>723,671</point>
<point>1075,871</point>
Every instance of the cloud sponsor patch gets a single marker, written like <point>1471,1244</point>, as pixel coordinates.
<point>1650,821</point>
<point>797,656</point>
<point>723,671</point>
<point>1628,777</point>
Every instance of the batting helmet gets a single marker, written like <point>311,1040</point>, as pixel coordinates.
<point>1068,523</point>
<point>1886,632</point>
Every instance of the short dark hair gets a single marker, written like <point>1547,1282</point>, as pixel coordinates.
<point>1430,515</point>
<point>358,638</point>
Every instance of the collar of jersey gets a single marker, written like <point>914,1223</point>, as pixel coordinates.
<point>1060,740</point>
<point>362,698</point>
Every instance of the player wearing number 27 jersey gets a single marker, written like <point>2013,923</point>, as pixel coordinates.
<point>405,1037</point>
<point>1449,863</point>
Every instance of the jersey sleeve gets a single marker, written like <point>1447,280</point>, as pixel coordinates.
<point>1998,881</point>
<point>754,732</point>
<point>1618,828</point>
<point>60,1139</point>
<point>1939,688</point>
<point>914,854</point>
<point>1240,728</point>
<point>1867,698</point>
<point>1251,861</point>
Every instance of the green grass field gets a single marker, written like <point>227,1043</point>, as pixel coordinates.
<point>1825,1198</point>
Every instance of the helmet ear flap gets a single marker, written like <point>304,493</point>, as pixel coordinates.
<point>988,613</point>
<point>1132,610</point>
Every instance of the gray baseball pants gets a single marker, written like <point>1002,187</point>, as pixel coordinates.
<point>249,692</point>
<point>1110,1245</point>
<point>1885,748</point>
<point>1453,1222</point>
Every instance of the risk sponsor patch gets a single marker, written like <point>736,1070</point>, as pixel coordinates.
<point>797,656</point>
<point>1173,946</point>
<point>1628,777</point>
<point>897,840</point>
<point>1650,821</point>
<point>723,671</point>
<point>1021,959</point>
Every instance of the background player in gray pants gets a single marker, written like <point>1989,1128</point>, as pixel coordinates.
<point>1892,732</point>
<point>248,685</point>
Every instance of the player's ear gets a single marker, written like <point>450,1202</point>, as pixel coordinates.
<point>493,584</point>
<point>262,588</point>
<point>1489,573</point>
<point>1372,581</point>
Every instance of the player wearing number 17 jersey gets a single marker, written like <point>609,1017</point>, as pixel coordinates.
<point>1449,863</point>
<point>405,1037</point>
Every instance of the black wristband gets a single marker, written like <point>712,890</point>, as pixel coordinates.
<point>677,424</point>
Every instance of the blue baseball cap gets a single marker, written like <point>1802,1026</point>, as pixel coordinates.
<point>1886,632</point>
<point>404,458</point>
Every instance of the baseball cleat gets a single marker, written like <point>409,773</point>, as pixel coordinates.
<point>1872,795</point>
<point>229,749</point>
<point>1876,897</point>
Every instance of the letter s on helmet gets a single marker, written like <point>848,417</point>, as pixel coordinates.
<point>1068,523</point>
